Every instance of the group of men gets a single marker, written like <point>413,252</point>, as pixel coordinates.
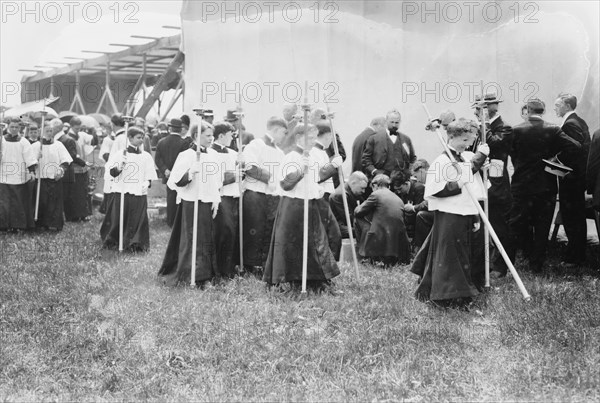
<point>385,192</point>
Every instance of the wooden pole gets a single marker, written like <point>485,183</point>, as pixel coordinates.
<point>39,179</point>
<point>122,198</point>
<point>240,115</point>
<point>195,225</point>
<point>344,198</point>
<point>305,154</point>
<point>483,216</point>
<point>486,205</point>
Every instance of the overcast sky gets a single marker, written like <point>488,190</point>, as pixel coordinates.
<point>46,31</point>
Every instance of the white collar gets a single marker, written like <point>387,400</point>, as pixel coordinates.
<point>496,116</point>
<point>566,117</point>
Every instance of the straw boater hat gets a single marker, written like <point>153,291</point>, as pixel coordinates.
<point>555,167</point>
<point>488,99</point>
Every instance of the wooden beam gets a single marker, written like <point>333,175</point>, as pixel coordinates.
<point>170,41</point>
<point>161,85</point>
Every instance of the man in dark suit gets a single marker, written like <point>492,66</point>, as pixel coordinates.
<point>167,150</point>
<point>389,151</point>
<point>380,229</point>
<point>358,145</point>
<point>533,189</point>
<point>572,186</point>
<point>412,193</point>
<point>592,176</point>
<point>355,187</point>
<point>499,138</point>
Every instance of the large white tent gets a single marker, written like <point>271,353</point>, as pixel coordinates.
<point>367,57</point>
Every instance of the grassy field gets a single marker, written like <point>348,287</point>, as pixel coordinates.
<point>82,324</point>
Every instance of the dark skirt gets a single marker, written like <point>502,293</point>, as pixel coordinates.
<point>106,201</point>
<point>332,228</point>
<point>136,229</point>
<point>75,193</point>
<point>227,237</point>
<point>284,263</point>
<point>50,210</point>
<point>450,262</point>
<point>259,218</point>
<point>16,209</point>
<point>177,263</point>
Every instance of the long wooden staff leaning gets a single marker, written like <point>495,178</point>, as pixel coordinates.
<point>240,115</point>
<point>39,179</point>
<point>483,216</point>
<point>306,108</point>
<point>486,205</point>
<point>195,225</point>
<point>127,119</point>
<point>344,198</point>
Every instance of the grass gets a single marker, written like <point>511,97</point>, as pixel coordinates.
<point>82,324</point>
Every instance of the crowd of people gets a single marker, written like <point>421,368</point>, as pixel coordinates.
<point>219,177</point>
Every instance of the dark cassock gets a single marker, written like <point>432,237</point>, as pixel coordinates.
<point>284,263</point>
<point>337,207</point>
<point>327,171</point>
<point>593,170</point>
<point>227,220</point>
<point>133,178</point>
<point>451,262</point>
<point>54,161</point>
<point>380,229</point>
<point>105,149</point>
<point>331,152</point>
<point>167,150</point>
<point>572,188</point>
<point>262,160</point>
<point>75,181</point>
<point>533,189</point>
<point>17,163</point>
<point>202,186</point>
<point>499,137</point>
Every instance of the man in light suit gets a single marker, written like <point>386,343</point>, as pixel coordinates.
<point>389,151</point>
<point>572,186</point>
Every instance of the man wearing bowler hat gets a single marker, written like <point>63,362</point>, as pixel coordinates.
<point>208,115</point>
<point>499,138</point>
<point>167,150</point>
<point>233,118</point>
<point>533,188</point>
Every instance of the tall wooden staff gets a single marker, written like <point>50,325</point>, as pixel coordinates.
<point>39,180</point>
<point>240,115</point>
<point>343,185</point>
<point>195,225</point>
<point>305,154</point>
<point>486,206</point>
<point>483,216</point>
<point>127,120</point>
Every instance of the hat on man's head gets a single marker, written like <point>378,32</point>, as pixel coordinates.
<point>208,113</point>
<point>176,124</point>
<point>488,99</point>
<point>231,116</point>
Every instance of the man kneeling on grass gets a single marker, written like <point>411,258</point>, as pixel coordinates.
<point>380,228</point>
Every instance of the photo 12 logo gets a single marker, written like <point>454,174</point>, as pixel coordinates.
<point>454,92</point>
<point>56,11</point>
<point>469,11</point>
<point>269,91</point>
<point>271,11</point>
